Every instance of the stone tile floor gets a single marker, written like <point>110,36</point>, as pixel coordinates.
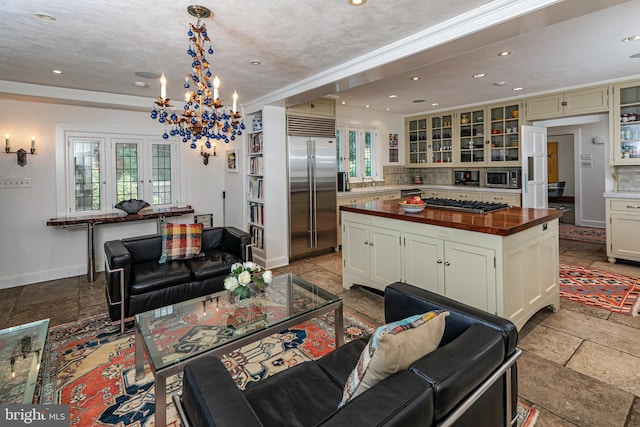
<point>581,365</point>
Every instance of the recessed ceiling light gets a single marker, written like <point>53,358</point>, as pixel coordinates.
<point>343,102</point>
<point>477,76</point>
<point>45,17</point>
<point>388,109</point>
<point>367,106</point>
<point>393,96</point>
<point>416,78</point>
<point>417,101</point>
<point>255,62</point>
<point>434,104</point>
<point>517,88</point>
<point>140,84</point>
<point>500,83</point>
<point>631,38</point>
<point>635,56</point>
<point>147,75</point>
<point>357,2</point>
<point>505,53</point>
<point>57,72</point>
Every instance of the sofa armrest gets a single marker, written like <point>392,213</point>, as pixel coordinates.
<point>458,368</point>
<point>402,300</point>
<point>118,261</point>
<point>236,242</point>
<point>210,397</point>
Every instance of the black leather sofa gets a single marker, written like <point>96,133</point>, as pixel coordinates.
<point>134,275</point>
<point>468,380</point>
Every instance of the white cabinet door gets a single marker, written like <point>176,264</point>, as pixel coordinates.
<point>356,246</point>
<point>470,275</point>
<point>384,245</point>
<point>625,236</point>
<point>423,258</point>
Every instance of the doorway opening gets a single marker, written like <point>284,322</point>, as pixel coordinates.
<point>561,175</point>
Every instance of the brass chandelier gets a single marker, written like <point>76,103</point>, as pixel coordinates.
<point>203,118</point>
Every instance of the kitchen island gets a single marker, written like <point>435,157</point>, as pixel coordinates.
<point>504,262</point>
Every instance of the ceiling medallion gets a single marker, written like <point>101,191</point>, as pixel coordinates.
<point>203,118</point>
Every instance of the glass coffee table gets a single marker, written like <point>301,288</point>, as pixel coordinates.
<point>174,335</point>
<point>20,356</point>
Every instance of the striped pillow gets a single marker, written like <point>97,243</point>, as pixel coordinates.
<point>180,241</point>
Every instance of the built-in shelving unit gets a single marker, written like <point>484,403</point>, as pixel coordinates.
<point>255,187</point>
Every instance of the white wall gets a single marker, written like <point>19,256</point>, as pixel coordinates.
<point>29,250</point>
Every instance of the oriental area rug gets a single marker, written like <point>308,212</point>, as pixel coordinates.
<point>583,234</point>
<point>89,365</point>
<point>609,291</point>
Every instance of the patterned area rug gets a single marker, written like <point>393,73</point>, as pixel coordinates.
<point>583,234</point>
<point>90,366</point>
<point>609,291</point>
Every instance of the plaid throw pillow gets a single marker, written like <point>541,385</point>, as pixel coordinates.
<point>392,348</point>
<point>180,241</point>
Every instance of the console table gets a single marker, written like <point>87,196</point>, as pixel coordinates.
<point>92,220</point>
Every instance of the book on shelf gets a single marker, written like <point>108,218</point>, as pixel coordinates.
<point>256,166</point>
<point>256,213</point>
<point>255,143</point>
<point>256,189</point>
<point>257,237</point>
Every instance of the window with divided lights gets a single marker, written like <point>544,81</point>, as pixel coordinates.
<point>357,152</point>
<point>108,169</point>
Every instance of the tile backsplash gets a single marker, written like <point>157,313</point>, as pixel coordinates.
<point>400,175</point>
<point>628,178</point>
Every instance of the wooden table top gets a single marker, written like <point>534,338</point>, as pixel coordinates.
<point>503,223</point>
<point>146,213</point>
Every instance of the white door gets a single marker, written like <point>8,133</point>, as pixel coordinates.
<point>534,167</point>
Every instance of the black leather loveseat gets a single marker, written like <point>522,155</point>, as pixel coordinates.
<point>468,380</point>
<point>132,269</point>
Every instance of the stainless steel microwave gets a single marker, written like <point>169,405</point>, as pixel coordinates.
<point>502,178</point>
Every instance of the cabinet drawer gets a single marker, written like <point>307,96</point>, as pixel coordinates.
<point>383,196</point>
<point>625,205</point>
<point>352,200</point>
<point>441,194</point>
<point>510,199</point>
<point>464,195</point>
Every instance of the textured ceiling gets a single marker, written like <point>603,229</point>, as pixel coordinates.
<point>100,45</point>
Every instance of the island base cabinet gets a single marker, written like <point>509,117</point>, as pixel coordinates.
<point>470,275</point>
<point>371,254</point>
<point>511,276</point>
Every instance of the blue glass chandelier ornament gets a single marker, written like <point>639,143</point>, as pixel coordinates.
<point>203,118</point>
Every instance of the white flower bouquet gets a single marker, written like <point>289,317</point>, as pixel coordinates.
<point>244,273</point>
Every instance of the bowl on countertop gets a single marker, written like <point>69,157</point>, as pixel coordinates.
<point>412,207</point>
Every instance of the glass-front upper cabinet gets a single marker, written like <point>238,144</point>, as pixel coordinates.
<point>417,141</point>
<point>441,142</point>
<point>471,132</point>
<point>626,124</point>
<point>504,142</point>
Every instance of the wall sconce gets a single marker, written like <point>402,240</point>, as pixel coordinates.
<point>205,154</point>
<point>21,153</point>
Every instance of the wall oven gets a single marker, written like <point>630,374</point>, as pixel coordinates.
<point>502,178</point>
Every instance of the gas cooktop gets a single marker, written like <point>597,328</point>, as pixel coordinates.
<point>470,206</point>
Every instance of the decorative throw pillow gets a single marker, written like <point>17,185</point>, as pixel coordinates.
<point>392,348</point>
<point>180,241</point>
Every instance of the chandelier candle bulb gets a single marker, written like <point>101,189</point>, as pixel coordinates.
<point>235,102</point>
<point>216,86</point>
<point>6,142</point>
<point>163,88</point>
<point>33,143</point>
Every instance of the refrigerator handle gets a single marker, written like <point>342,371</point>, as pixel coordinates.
<point>314,202</point>
<point>310,182</point>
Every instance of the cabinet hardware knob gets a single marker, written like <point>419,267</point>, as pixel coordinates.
<point>439,261</point>
<point>633,207</point>
<point>370,243</point>
<point>366,242</point>
<point>447,263</point>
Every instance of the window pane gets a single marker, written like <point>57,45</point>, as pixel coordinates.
<point>161,174</point>
<point>369,154</point>
<point>353,153</point>
<point>126,171</point>
<point>86,156</point>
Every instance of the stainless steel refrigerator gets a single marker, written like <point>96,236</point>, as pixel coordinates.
<point>312,195</point>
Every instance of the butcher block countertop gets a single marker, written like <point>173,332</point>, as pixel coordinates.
<point>502,223</point>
